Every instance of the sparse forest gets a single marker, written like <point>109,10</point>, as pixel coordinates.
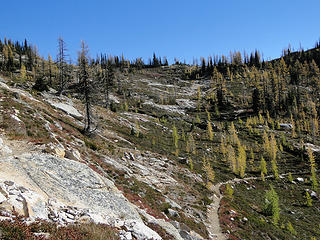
<point>246,123</point>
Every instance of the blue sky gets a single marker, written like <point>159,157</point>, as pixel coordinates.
<point>178,28</point>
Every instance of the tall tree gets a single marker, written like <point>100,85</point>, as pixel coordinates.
<point>85,83</point>
<point>50,70</point>
<point>313,169</point>
<point>241,161</point>
<point>263,168</point>
<point>155,61</point>
<point>256,101</point>
<point>106,78</point>
<point>62,65</point>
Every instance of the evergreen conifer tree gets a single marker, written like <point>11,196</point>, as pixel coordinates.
<point>271,206</point>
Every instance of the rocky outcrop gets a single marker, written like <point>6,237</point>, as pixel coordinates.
<point>4,149</point>
<point>67,108</point>
<point>65,191</point>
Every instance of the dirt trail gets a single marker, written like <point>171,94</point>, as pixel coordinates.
<point>214,229</point>
<point>213,226</point>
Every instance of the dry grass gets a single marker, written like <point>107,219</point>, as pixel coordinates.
<point>18,229</point>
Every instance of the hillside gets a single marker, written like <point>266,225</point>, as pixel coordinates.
<point>178,151</point>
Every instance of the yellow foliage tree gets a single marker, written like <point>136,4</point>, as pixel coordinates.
<point>210,131</point>
<point>263,168</point>
<point>275,169</point>
<point>223,149</point>
<point>313,169</point>
<point>266,143</point>
<point>23,72</point>
<point>229,191</point>
<point>232,158</point>
<point>273,149</point>
<point>233,134</point>
<point>251,156</point>
<point>175,137</point>
<point>206,167</point>
<point>293,130</point>
<point>241,161</point>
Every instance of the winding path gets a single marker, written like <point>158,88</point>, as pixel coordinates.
<point>213,223</point>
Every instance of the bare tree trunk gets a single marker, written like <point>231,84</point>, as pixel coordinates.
<point>88,116</point>
<point>61,65</point>
<point>107,97</point>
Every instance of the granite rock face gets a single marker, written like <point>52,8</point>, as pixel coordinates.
<point>44,186</point>
<point>67,108</point>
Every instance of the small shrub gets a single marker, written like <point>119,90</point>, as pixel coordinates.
<point>164,207</point>
<point>271,207</point>
<point>229,191</point>
<point>291,229</point>
<point>91,145</point>
<point>308,200</point>
<point>290,177</point>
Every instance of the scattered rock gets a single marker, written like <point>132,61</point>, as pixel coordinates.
<point>16,95</point>
<point>8,183</point>
<point>129,156</point>
<point>186,103</point>
<point>141,231</point>
<point>173,213</point>
<point>119,223</point>
<point>170,227</point>
<point>190,235</point>
<point>175,224</point>
<point>113,99</point>
<point>125,235</point>
<point>168,108</point>
<point>173,203</point>
<point>299,179</point>
<point>73,155</point>
<point>42,235</point>
<point>2,198</point>
<point>233,212</point>
<point>313,147</point>
<point>195,236</point>
<point>60,152</point>
<point>2,218</point>
<point>287,126</point>
<point>58,126</point>
<point>313,194</point>
<point>184,227</point>
<point>185,235</point>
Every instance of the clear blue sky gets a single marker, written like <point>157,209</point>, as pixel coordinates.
<point>172,28</point>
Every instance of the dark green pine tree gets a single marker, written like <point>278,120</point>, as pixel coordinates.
<point>165,60</point>
<point>256,101</point>
<point>155,61</point>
